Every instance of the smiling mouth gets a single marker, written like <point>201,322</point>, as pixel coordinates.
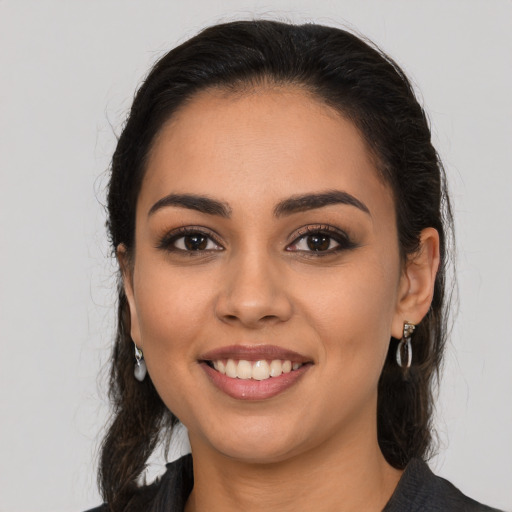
<point>262,369</point>
<point>254,372</point>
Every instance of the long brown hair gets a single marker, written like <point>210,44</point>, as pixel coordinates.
<point>367,87</point>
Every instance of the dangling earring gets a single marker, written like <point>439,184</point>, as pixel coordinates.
<point>140,365</point>
<point>404,349</point>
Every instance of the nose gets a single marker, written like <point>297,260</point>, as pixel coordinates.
<point>253,293</point>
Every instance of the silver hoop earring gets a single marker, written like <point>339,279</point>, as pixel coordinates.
<point>404,349</point>
<point>140,369</point>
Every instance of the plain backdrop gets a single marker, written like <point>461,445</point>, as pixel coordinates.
<point>68,71</point>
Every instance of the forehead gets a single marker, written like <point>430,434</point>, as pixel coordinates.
<point>266,144</point>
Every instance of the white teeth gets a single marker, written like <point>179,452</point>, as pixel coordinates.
<point>231,368</point>
<point>260,370</point>
<point>276,368</point>
<point>244,370</point>
<point>257,370</point>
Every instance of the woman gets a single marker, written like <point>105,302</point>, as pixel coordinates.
<point>280,219</point>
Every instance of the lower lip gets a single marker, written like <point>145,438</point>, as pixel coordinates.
<point>250,389</point>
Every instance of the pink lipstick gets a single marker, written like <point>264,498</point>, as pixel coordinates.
<point>254,372</point>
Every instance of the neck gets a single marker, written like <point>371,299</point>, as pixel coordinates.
<point>346,478</point>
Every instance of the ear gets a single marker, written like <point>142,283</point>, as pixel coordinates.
<point>417,282</point>
<point>126,266</point>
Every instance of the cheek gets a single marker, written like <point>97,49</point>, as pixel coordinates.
<point>171,314</point>
<point>351,310</point>
<point>351,297</point>
<point>171,310</point>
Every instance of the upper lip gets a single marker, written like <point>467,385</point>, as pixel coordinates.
<point>254,353</point>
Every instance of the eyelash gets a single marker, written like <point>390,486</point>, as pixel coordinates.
<point>168,241</point>
<point>333,234</point>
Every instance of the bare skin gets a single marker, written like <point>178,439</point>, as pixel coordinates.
<point>253,268</point>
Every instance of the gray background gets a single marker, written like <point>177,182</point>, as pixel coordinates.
<point>68,70</point>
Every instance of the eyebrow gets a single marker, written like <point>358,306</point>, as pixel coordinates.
<point>295,204</point>
<point>201,204</point>
<point>302,203</point>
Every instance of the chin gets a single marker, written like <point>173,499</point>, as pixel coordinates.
<point>256,443</point>
<point>260,454</point>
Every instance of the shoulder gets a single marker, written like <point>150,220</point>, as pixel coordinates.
<point>420,490</point>
<point>169,492</point>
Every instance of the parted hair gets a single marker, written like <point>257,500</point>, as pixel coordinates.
<point>368,88</point>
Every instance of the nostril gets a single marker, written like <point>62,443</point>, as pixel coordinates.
<point>255,319</point>
<point>253,305</point>
<point>268,318</point>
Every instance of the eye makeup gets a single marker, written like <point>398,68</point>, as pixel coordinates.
<point>312,240</point>
<point>321,240</point>
<point>190,239</point>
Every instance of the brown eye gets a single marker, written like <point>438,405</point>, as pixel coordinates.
<point>195,242</point>
<point>315,242</point>
<point>190,241</point>
<point>318,242</point>
<point>321,241</point>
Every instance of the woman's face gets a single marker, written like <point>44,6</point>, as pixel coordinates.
<point>265,239</point>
